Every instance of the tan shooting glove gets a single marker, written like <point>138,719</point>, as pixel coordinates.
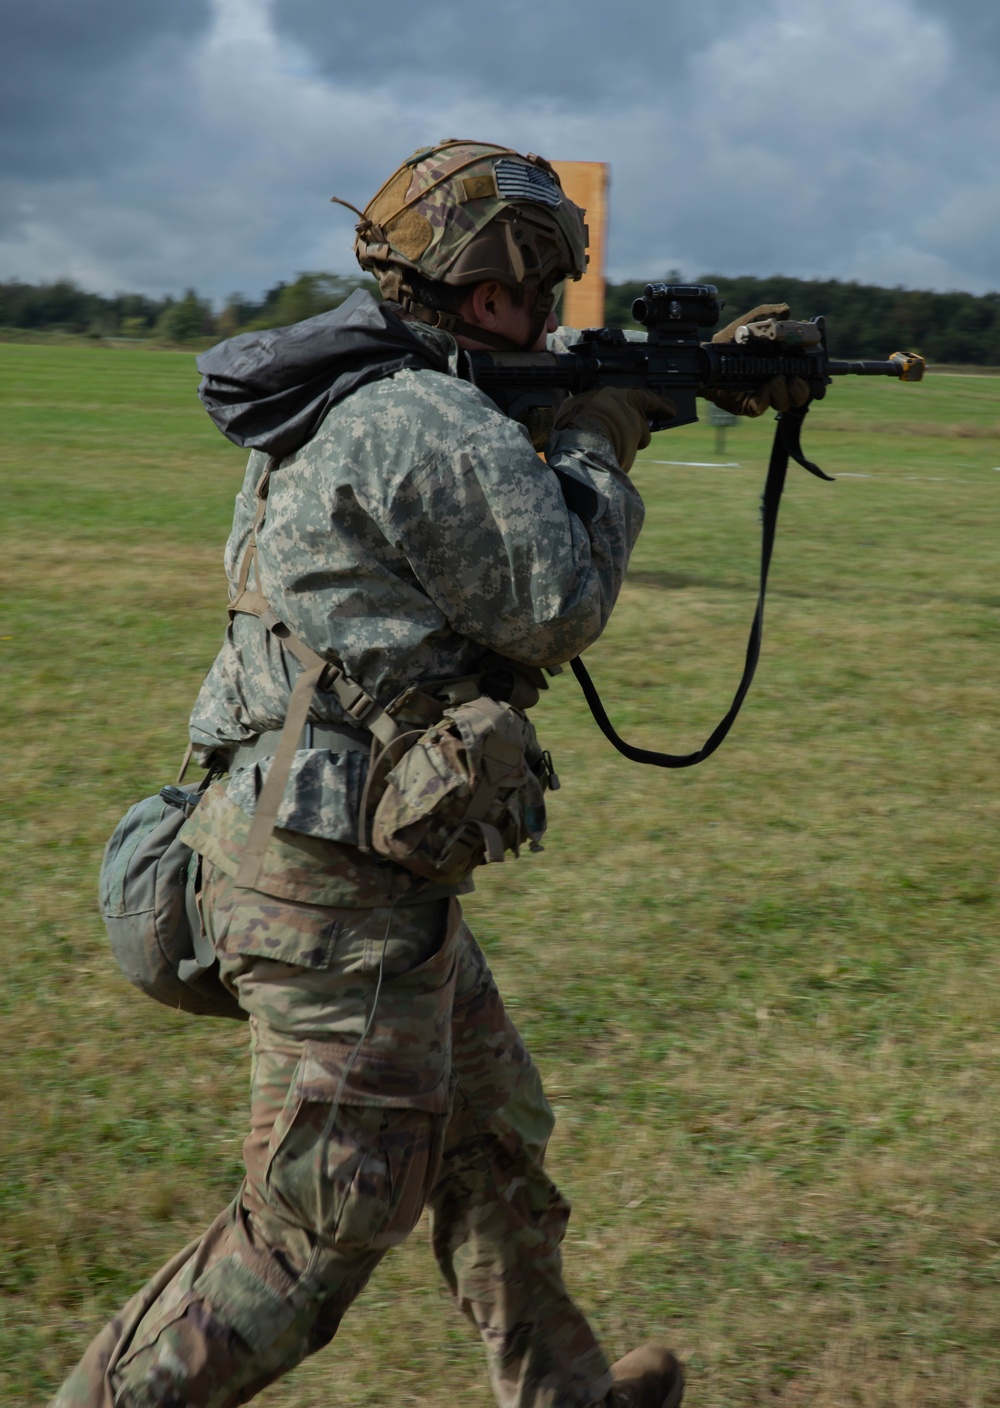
<point>779,394</point>
<point>620,416</point>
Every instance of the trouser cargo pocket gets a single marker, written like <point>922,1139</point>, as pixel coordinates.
<point>355,1150</point>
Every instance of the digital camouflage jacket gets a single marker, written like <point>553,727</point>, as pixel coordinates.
<point>414,533</point>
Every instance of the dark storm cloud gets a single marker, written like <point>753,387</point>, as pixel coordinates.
<point>156,145</point>
<point>973,27</point>
<point>585,52</point>
<point>856,140</point>
<point>68,101</point>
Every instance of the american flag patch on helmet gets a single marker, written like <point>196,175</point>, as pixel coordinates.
<point>516,180</point>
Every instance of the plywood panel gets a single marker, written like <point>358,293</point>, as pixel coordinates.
<point>586,183</point>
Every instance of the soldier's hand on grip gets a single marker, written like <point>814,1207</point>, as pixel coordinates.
<point>621,416</point>
<point>779,394</point>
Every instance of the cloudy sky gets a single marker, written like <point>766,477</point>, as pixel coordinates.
<point>155,144</point>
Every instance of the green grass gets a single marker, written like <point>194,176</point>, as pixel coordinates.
<point>764,993</point>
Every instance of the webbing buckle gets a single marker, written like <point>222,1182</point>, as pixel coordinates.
<point>360,706</point>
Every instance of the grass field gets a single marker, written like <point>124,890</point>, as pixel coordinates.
<point>764,993</point>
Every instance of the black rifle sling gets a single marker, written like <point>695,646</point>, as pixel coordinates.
<point>787,444</point>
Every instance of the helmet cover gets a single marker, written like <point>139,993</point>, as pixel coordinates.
<point>463,212</point>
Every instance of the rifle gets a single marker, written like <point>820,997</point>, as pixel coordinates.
<point>672,362</point>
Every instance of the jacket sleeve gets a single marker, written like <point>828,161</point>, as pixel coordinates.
<point>522,555</point>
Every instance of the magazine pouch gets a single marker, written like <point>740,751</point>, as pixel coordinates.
<point>467,790</point>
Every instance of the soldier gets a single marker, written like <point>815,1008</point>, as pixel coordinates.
<point>394,521</point>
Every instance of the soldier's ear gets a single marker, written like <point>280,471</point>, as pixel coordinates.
<point>485,303</point>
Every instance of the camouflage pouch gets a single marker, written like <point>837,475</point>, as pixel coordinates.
<point>467,789</point>
<point>146,893</point>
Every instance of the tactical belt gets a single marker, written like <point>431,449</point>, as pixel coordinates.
<point>336,737</point>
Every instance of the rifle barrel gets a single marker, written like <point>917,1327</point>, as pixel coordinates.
<point>906,365</point>
<point>852,368</point>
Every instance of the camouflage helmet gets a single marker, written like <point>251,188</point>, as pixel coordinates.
<point>463,212</point>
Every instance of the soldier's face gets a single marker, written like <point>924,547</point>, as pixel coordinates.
<point>520,328</point>
<point>490,306</point>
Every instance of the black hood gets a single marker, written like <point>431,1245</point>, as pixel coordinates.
<point>271,390</point>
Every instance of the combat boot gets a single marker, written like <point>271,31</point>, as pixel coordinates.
<point>648,1377</point>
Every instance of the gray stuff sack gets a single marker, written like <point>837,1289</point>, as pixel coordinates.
<point>147,899</point>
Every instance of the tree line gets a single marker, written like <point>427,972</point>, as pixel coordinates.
<point>863,320</point>
<point>64,307</point>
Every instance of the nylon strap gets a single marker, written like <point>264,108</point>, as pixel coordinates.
<point>355,701</point>
<point>492,842</point>
<point>452,323</point>
<point>266,813</point>
<point>185,762</point>
<point>787,444</point>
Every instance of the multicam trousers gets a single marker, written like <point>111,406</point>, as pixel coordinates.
<point>439,1105</point>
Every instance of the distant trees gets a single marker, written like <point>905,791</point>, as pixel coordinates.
<point>284,304</point>
<point>63,307</point>
<point>863,320</point>
<point>309,295</point>
<point>187,319</point>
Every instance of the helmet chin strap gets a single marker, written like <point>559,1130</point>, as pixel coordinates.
<point>451,322</point>
<point>540,309</point>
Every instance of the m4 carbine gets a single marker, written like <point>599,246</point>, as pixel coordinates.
<point>671,360</point>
